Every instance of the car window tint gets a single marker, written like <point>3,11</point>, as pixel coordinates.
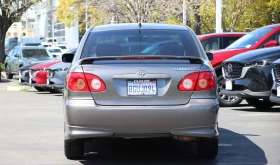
<point>35,53</point>
<point>228,41</point>
<point>135,42</point>
<point>211,44</point>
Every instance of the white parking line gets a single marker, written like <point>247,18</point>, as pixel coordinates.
<point>261,114</point>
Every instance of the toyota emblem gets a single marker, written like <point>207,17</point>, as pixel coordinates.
<point>141,73</point>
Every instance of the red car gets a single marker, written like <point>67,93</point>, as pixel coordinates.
<point>38,76</point>
<point>217,41</point>
<point>267,36</point>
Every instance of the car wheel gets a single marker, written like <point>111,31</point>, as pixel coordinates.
<point>226,101</point>
<point>74,149</point>
<point>207,148</point>
<point>260,104</point>
<point>40,89</point>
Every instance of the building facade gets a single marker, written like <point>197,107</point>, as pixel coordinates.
<point>23,28</point>
<point>47,26</point>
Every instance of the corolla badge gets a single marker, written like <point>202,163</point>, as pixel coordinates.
<point>185,69</point>
<point>229,68</point>
<point>141,73</point>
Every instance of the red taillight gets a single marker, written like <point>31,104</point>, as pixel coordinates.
<point>85,82</point>
<point>197,81</point>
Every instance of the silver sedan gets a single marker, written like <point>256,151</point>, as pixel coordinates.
<point>116,87</point>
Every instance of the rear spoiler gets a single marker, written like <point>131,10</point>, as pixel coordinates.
<point>90,60</point>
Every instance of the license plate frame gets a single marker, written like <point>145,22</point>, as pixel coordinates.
<point>142,83</point>
<point>228,85</point>
<point>278,91</point>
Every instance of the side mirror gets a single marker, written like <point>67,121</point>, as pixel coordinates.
<point>210,56</point>
<point>68,57</point>
<point>271,43</point>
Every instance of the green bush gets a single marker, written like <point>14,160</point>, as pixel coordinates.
<point>2,66</point>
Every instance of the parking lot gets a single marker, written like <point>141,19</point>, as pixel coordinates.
<point>31,132</point>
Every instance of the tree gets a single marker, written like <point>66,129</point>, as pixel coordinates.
<point>12,11</point>
<point>71,11</point>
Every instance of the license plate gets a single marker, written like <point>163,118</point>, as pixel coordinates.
<point>228,85</point>
<point>278,91</point>
<point>141,87</point>
<point>19,77</point>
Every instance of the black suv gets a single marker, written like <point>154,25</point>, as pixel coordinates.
<point>248,75</point>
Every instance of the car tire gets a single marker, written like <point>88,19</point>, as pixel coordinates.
<point>207,148</point>
<point>40,89</point>
<point>74,149</point>
<point>226,101</point>
<point>260,104</point>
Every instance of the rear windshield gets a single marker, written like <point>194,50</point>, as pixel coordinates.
<point>63,47</point>
<point>32,44</point>
<point>55,50</point>
<point>136,42</point>
<point>35,53</point>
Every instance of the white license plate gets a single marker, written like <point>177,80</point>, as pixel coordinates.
<point>19,77</point>
<point>278,91</point>
<point>141,87</point>
<point>228,85</point>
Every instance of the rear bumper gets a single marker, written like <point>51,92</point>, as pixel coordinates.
<point>246,94</point>
<point>83,119</point>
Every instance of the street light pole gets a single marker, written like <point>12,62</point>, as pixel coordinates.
<point>86,15</point>
<point>184,13</point>
<point>219,16</point>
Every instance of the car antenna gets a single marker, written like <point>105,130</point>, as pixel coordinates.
<point>139,25</point>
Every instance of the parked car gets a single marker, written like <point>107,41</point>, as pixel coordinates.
<point>275,90</point>
<point>25,55</point>
<point>56,52</point>
<point>217,41</point>
<point>24,73</point>
<point>267,36</point>
<point>38,76</point>
<point>63,47</point>
<point>248,76</point>
<point>56,74</point>
<point>170,94</point>
<point>10,43</point>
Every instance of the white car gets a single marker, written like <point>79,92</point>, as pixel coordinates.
<point>63,48</point>
<point>56,52</point>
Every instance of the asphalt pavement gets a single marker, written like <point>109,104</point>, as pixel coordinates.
<point>31,132</point>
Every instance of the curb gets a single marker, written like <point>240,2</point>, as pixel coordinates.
<point>18,88</point>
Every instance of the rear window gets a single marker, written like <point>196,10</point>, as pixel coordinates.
<point>32,44</point>
<point>63,47</point>
<point>55,50</point>
<point>35,53</point>
<point>139,42</point>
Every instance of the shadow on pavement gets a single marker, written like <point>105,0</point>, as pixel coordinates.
<point>234,148</point>
<point>5,81</point>
<point>252,109</point>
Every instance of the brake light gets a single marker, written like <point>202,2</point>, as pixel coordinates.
<point>85,82</point>
<point>197,81</point>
